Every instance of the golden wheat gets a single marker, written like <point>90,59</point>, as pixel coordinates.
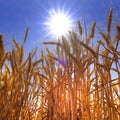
<point>76,82</point>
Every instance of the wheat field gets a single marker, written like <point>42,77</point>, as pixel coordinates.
<point>80,80</point>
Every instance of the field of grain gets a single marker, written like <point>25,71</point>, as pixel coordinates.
<point>80,80</point>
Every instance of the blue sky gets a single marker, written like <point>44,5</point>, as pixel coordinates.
<point>17,15</point>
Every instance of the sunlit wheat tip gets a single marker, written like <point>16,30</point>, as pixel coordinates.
<point>110,21</point>
<point>93,30</point>
<point>80,27</point>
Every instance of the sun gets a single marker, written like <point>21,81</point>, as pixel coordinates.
<point>59,23</point>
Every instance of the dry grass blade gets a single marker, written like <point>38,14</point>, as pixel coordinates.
<point>29,63</point>
<point>93,30</point>
<point>89,48</point>
<point>3,60</point>
<point>110,21</point>
<point>65,44</point>
<point>37,62</point>
<point>21,55</point>
<point>92,33</point>
<point>12,63</point>
<point>80,28</point>
<point>1,47</point>
<point>26,34</point>
<point>33,52</point>
<point>7,69</point>
<point>106,38</point>
<point>1,43</point>
<point>54,43</point>
<point>16,44</point>
<point>118,29</point>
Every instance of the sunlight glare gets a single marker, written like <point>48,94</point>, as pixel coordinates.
<point>59,23</point>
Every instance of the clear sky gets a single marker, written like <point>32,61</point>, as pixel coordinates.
<point>17,15</point>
